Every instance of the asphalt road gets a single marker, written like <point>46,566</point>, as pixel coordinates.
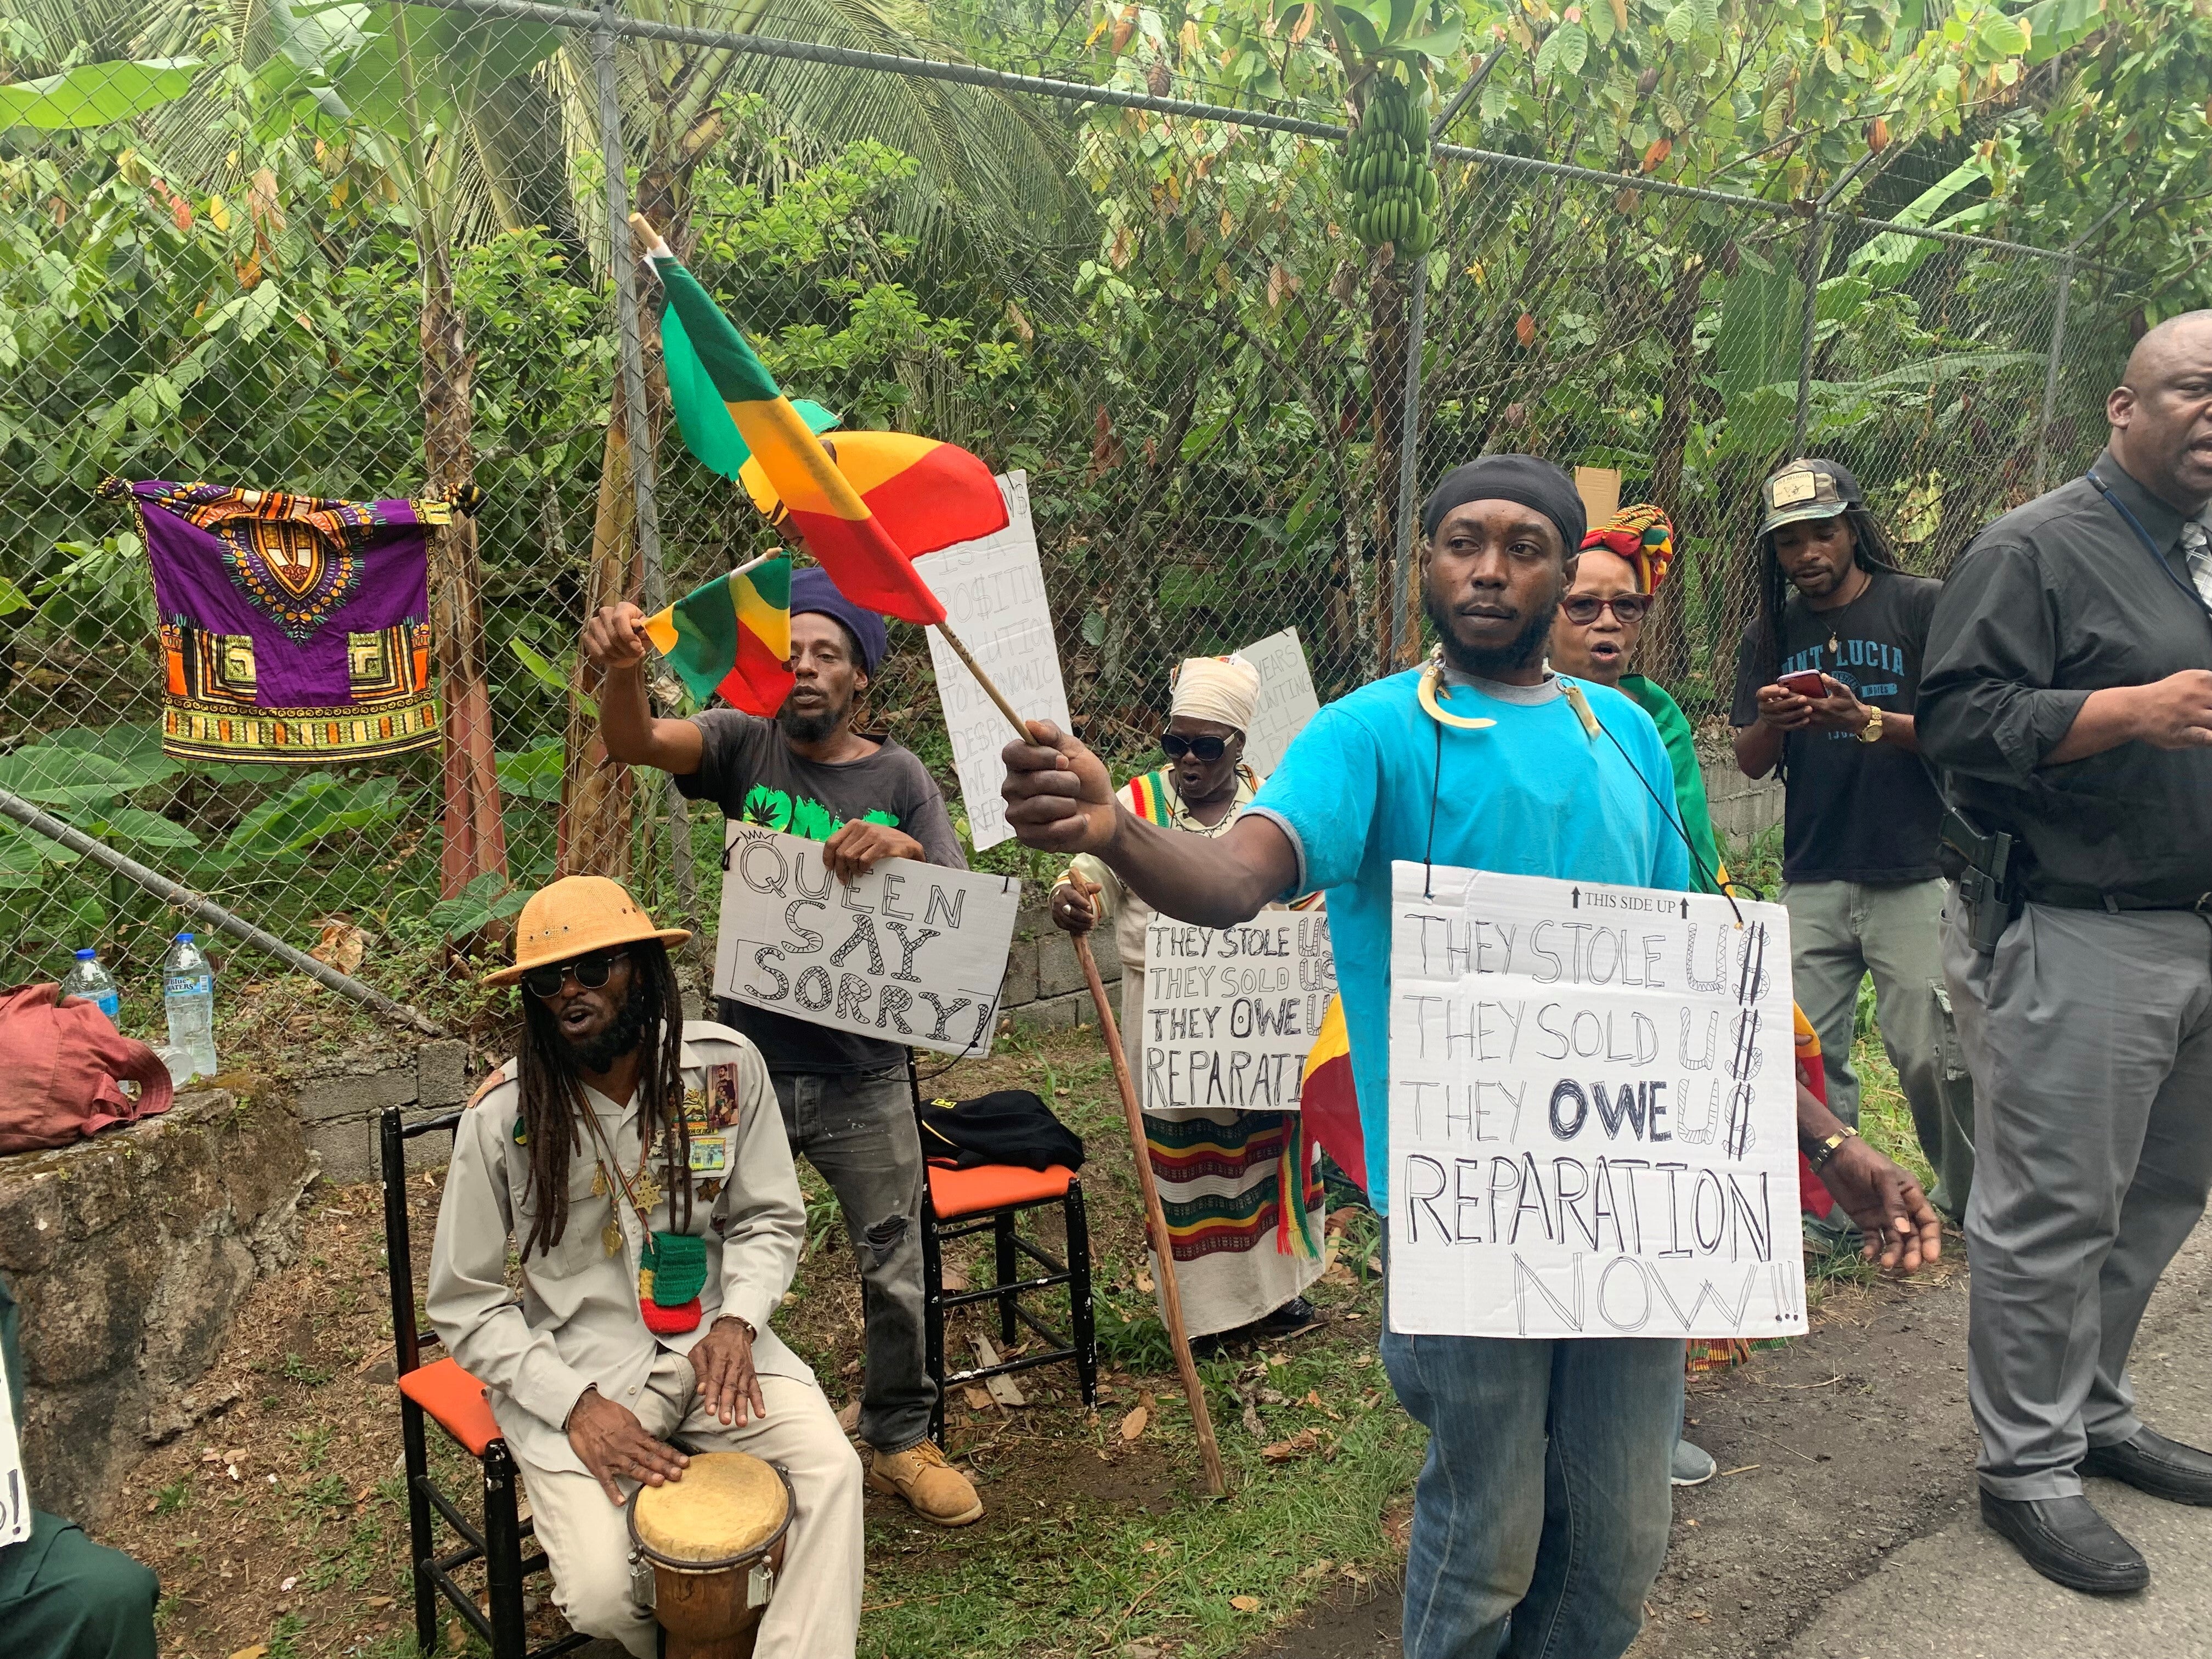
<point>1844,1524</point>
<point>1962,1592</point>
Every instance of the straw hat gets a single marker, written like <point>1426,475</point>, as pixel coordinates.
<point>574,916</point>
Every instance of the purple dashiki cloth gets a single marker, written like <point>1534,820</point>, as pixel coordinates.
<point>295,630</point>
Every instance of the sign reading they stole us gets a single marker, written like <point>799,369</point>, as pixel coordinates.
<point>1592,1111</point>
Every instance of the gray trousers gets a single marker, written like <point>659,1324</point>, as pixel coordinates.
<point>2090,1035</point>
<point>1839,933</point>
<point>858,1130</point>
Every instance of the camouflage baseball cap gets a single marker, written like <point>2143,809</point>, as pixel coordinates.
<point>1807,489</point>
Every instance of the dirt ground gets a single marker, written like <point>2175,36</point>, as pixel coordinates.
<point>278,1529</point>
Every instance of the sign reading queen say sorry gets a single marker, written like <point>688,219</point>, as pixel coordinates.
<point>911,952</point>
<point>1592,1111</point>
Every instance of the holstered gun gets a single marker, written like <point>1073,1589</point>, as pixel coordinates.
<point>1985,876</point>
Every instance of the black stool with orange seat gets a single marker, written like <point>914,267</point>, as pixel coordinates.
<point>988,1197</point>
<point>449,1396</point>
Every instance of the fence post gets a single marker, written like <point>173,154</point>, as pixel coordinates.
<point>1402,560</point>
<point>1816,249</point>
<point>637,421</point>
<point>2050,370</point>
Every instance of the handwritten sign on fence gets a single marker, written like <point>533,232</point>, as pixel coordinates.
<point>1231,1012</point>
<point>1592,1111</point>
<point>911,952</point>
<point>1287,699</point>
<point>992,590</point>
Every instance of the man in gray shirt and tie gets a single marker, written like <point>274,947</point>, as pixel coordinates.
<point>2067,697</point>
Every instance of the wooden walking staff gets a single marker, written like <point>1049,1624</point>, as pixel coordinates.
<point>1156,1221</point>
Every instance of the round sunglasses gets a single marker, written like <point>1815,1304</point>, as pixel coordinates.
<point>1206,749</point>
<point>1628,609</point>
<point>590,971</point>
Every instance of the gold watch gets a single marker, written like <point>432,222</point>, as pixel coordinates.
<point>1871,731</point>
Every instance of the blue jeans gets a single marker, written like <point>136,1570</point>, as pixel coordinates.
<point>1541,1517</point>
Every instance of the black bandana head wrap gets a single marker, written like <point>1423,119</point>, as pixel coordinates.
<point>1523,478</point>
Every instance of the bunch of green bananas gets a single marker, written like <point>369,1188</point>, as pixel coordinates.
<point>1385,171</point>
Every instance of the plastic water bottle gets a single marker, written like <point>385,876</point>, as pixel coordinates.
<point>95,984</point>
<point>188,993</point>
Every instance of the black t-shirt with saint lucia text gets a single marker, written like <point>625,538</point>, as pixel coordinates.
<point>1854,812</point>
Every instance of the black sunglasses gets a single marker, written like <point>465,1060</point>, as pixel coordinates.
<point>1628,608</point>
<point>589,971</point>
<point>1206,749</point>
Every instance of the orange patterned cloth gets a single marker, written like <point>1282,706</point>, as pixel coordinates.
<point>1644,536</point>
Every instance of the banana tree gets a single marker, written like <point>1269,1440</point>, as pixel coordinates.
<point>433,93</point>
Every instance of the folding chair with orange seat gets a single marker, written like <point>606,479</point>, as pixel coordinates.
<point>443,1393</point>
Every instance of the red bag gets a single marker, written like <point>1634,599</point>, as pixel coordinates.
<point>60,1061</point>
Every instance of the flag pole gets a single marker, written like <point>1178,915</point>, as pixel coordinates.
<point>1156,1220</point>
<point>1020,725</point>
<point>1217,1480</point>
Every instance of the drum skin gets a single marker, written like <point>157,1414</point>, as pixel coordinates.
<point>704,1535</point>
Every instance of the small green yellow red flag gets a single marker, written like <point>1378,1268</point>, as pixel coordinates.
<point>733,637</point>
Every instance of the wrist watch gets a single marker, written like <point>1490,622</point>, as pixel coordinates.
<point>1819,1155</point>
<point>751,1334</point>
<point>1871,731</point>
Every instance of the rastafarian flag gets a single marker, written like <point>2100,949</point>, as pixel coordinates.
<point>867,510</point>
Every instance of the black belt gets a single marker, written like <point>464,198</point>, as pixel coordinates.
<point>2063,896</point>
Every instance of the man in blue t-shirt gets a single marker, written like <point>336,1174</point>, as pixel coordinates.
<point>1542,1510</point>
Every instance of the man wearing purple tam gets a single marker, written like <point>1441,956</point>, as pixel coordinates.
<point>848,1104</point>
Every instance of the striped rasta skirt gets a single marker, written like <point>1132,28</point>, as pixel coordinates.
<point>1243,1209</point>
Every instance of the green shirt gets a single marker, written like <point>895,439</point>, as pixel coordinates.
<point>1689,782</point>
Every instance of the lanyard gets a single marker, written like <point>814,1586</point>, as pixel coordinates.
<point>2143,536</point>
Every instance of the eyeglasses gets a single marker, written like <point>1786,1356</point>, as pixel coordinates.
<point>1628,609</point>
<point>1206,749</point>
<point>589,971</point>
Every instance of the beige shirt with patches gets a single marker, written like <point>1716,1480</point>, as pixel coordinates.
<point>575,1322</point>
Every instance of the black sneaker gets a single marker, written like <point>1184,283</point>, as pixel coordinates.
<point>1291,1317</point>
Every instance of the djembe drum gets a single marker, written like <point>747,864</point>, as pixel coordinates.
<point>715,1541</point>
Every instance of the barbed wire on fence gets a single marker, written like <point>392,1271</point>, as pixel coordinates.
<point>1226,405</point>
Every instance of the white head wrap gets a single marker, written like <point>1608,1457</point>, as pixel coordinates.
<point>1222,688</point>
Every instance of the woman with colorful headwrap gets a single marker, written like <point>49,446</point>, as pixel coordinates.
<point>1243,1208</point>
<point>1594,636</point>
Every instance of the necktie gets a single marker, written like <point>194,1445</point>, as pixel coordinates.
<point>2196,549</point>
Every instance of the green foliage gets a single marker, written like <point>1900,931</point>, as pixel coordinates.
<point>95,94</point>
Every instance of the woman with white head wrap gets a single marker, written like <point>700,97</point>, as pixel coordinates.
<point>1243,1209</point>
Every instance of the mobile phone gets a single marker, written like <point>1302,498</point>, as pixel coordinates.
<point>1805,683</point>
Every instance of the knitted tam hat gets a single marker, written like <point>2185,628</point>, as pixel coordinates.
<point>1644,536</point>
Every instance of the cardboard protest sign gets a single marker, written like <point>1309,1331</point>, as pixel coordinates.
<point>1592,1111</point>
<point>1287,699</point>
<point>14,1498</point>
<point>911,952</point>
<point>1231,1012</point>
<point>993,591</point>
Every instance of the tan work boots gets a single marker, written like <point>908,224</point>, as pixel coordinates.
<point>933,1488</point>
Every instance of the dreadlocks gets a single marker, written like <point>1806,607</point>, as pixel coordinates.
<point>1870,550</point>
<point>553,1094</point>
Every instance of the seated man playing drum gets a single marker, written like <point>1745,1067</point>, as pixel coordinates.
<point>637,1161</point>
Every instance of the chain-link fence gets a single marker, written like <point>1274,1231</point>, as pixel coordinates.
<point>1144,301</point>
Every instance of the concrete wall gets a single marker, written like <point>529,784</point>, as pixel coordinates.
<point>130,1254</point>
<point>1741,808</point>
<point>1044,988</point>
<point>339,1100</point>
